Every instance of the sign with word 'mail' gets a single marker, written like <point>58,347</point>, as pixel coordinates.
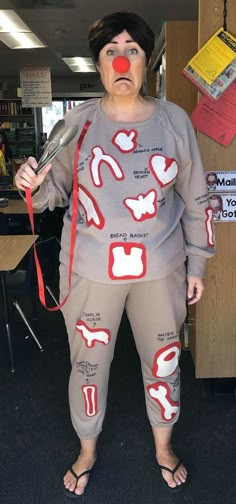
<point>223,181</point>
<point>223,206</point>
<point>36,86</point>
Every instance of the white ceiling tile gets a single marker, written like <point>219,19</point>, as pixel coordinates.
<point>63,25</point>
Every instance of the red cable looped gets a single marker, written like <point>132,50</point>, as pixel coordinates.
<point>41,289</point>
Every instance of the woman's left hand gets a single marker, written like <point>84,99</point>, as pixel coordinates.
<point>195,289</point>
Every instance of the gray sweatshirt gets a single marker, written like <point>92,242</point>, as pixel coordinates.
<point>143,201</point>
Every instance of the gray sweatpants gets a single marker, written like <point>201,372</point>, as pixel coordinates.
<point>92,313</point>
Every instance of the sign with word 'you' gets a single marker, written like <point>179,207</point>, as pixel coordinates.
<point>223,206</point>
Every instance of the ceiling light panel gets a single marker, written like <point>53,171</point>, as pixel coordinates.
<point>11,22</point>
<point>15,33</point>
<point>21,40</point>
<point>79,64</point>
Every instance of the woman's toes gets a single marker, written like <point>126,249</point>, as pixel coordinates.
<point>181,476</point>
<point>68,481</point>
<point>169,480</point>
<point>172,483</point>
<point>71,486</point>
<point>78,484</point>
<point>178,478</point>
<point>81,486</point>
<point>79,491</point>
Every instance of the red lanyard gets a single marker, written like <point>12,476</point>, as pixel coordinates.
<point>41,289</point>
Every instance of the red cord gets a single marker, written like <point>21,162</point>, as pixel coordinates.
<point>41,289</point>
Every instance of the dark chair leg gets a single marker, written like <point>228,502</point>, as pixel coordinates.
<point>51,294</point>
<point>16,304</point>
<point>7,318</point>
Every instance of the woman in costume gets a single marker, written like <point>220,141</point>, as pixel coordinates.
<point>142,210</point>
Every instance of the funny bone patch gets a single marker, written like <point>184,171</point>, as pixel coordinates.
<point>209,227</point>
<point>160,392</point>
<point>164,169</point>
<point>90,399</point>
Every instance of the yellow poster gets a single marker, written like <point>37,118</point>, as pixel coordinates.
<point>218,52</point>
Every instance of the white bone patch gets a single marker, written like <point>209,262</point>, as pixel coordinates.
<point>93,214</point>
<point>160,392</point>
<point>166,360</point>
<point>125,140</point>
<point>164,169</point>
<point>127,260</point>
<point>143,206</point>
<point>99,157</point>
<point>209,227</point>
<point>91,336</point>
<point>90,399</point>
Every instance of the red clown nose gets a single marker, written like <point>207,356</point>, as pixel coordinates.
<point>121,64</point>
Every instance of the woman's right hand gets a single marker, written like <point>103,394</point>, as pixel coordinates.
<point>26,176</point>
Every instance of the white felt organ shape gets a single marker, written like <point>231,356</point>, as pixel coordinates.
<point>91,336</point>
<point>143,205</point>
<point>160,392</point>
<point>164,169</point>
<point>125,140</point>
<point>166,360</point>
<point>93,214</point>
<point>209,227</point>
<point>99,156</point>
<point>90,399</point>
<point>127,261</point>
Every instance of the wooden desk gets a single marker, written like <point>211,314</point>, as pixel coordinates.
<point>12,250</point>
<point>17,206</point>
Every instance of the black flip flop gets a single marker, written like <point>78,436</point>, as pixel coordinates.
<point>177,488</point>
<point>72,494</point>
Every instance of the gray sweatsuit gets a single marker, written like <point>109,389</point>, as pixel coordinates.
<point>143,207</point>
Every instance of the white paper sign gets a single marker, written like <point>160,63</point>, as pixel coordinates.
<point>36,86</point>
<point>223,206</point>
<point>223,181</point>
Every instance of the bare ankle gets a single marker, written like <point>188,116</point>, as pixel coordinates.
<point>89,454</point>
<point>164,450</point>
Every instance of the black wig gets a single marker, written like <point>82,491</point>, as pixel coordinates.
<point>102,32</point>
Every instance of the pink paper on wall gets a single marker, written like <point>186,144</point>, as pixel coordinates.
<point>217,120</point>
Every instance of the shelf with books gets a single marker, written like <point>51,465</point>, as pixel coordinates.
<point>18,123</point>
<point>10,122</point>
<point>13,107</point>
